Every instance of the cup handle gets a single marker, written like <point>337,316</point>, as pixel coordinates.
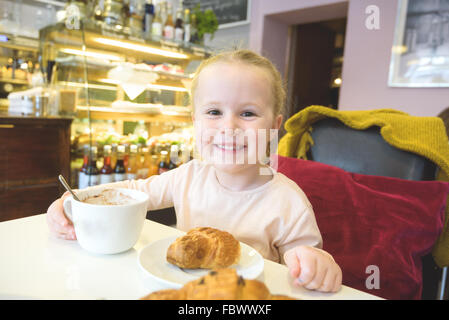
<point>67,205</point>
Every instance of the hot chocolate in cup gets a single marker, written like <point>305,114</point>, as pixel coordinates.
<point>110,197</point>
<point>107,220</point>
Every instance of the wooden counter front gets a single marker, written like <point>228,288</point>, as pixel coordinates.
<point>33,152</point>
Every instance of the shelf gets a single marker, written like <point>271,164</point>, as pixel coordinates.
<point>60,4</point>
<point>10,41</point>
<point>111,85</point>
<point>14,81</point>
<point>99,37</point>
<point>107,113</point>
<point>99,49</point>
<point>93,63</point>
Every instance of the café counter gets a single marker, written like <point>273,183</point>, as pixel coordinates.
<point>33,152</point>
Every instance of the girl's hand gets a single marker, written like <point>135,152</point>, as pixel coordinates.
<point>57,222</point>
<point>313,269</point>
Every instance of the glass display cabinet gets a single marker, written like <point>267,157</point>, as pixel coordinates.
<point>88,92</point>
<point>122,89</point>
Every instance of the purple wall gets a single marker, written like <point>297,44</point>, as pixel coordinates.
<point>367,52</point>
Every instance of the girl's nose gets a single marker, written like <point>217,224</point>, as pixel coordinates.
<point>229,124</point>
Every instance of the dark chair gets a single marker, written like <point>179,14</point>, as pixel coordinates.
<point>366,152</point>
<point>165,216</point>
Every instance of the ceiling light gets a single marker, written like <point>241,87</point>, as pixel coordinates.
<point>141,48</point>
<point>92,54</point>
<point>150,86</point>
<point>170,88</point>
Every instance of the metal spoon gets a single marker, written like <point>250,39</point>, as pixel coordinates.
<point>66,185</point>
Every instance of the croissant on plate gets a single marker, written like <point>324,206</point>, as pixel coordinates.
<point>220,284</point>
<point>206,248</point>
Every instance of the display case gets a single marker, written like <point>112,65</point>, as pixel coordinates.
<point>120,88</point>
<point>18,58</point>
<point>20,21</point>
<point>91,96</point>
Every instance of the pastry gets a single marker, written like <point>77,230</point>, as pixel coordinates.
<point>206,248</point>
<point>220,284</point>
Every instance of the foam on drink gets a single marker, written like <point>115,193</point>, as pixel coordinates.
<point>110,197</point>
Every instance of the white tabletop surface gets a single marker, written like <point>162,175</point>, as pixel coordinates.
<point>34,264</point>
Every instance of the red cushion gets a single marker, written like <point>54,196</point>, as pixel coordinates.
<point>371,220</point>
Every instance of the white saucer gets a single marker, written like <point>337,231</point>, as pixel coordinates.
<point>153,263</point>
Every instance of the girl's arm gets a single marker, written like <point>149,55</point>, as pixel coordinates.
<point>299,230</point>
<point>309,266</point>
<point>158,187</point>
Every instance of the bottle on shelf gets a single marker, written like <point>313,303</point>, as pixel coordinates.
<point>144,170</point>
<point>131,167</point>
<point>113,155</point>
<point>179,24</point>
<point>138,164</point>
<point>126,14</point>
<point>154,169</point>
<point>186,35</point>
<point>112,12</point>
<point>174,157</point>
<point>164,162</point>
<point>92,172</point>
<point>148,19</point>
<point>98,11</point>
<point>119,170</point>
<point>156,27</point>
<point>136,12</point>
<point>163,12</point>
<point>82,176</point>
<point>193,29</point>
<point>169,26</point>
<point>106,172</point>
<point>126,156</point>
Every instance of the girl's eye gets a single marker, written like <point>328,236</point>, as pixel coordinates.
<point>213,112</point>
<point>247,114</point>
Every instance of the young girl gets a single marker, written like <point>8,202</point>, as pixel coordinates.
<point>234,93</point>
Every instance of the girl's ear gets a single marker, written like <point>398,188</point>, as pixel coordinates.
<point>278,122</point>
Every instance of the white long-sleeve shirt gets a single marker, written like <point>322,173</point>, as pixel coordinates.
<point>271,218</point>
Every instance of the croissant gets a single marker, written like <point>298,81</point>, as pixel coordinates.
<point>220,284</point>
<point>206,248</point>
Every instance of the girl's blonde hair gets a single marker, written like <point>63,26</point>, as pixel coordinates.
<point>251,58</point>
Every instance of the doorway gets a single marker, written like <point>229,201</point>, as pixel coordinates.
<point>315,64</point>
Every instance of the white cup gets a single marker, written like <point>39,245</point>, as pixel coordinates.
<point>107,229</point>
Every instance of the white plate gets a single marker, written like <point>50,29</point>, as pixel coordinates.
<point>153,263</point>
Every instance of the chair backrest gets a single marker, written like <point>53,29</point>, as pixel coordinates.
<point>365,152</point>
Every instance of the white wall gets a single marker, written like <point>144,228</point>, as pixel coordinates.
<point>366,57</point>
<point>366,67</point>
<point>228,38</point>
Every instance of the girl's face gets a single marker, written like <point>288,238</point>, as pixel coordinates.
<point>233,115</point>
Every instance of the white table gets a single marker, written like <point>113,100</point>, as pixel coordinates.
<point>34,264</point>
